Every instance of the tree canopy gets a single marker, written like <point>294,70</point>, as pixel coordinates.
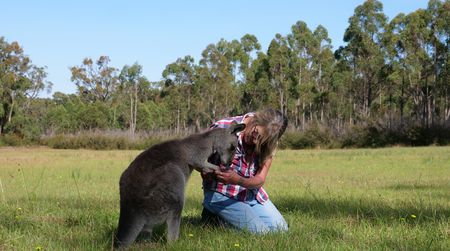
<point>392,73</point>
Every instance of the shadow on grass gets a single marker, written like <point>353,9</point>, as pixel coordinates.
<point>92,222</point>
<point>411,187</point>
<point>86,221</point>
<point>362,208</point>
<point>143,241</point>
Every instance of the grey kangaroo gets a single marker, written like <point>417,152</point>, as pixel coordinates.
<point>152,187</point>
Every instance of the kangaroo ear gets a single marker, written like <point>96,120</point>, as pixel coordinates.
<point>235,128</point>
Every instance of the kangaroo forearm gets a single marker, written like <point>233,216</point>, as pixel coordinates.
<point>208,167</point>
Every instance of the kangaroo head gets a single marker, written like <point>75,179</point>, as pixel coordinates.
<point>228,143</point>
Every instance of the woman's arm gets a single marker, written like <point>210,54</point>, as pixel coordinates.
<point>231,177</point>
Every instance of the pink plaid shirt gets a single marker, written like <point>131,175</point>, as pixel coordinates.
<point>240,166</point>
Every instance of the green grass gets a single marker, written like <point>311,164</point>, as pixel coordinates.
<point>377,199</point>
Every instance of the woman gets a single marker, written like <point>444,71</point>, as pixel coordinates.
<point>235,193</point>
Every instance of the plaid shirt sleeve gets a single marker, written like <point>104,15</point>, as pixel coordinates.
<point>226,122</point>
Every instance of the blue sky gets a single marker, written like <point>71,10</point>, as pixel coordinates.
<point>59,34</point>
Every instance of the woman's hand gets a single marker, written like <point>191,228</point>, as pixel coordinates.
<point>231,177</point>
<point>228,177</point>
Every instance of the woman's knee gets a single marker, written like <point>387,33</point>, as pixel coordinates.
<point>272,217</point>
<point>264,227</point>
<point>279,226</point>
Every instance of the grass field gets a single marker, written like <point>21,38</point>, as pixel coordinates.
<point>365,199</point>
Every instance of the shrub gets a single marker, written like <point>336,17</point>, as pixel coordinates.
<point>12,140</point>
<point>99,141</point>
<point>369,136</point>
<point>418,136</point>
<point>296,140</point>
<point>311,138</point>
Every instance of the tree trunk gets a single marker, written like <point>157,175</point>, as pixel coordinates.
<point>131,114</point>
<point>280,91</point>
<point>447,109</point>
<point>303,116</point>
<point>369,97</point>
<point>297,104</point>
<point>135,107</point>
<point>402,102</point>
<point>427,105</point>
<point>11,108</point>
<point>2,125</point>
<point>321,111</point>
<point>390,110</point>
<point>339,121</point>
<point>177,129</point>
<point>297,114</point>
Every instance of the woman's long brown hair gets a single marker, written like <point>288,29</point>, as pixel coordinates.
<point>275,124</point>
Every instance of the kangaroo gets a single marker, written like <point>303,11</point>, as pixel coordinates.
<point>152,188</point>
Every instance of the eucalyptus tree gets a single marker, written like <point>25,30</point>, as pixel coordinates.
<point>396,90</point>
<point>279,59</point>
<point>364,48</point>
<point>20,81</point>
<point>96,84</point>
<point>62,117</point>
<point>342,93</point>
<point>443,32</point>
<point>300,41</point>
<point>404,40</point>
<point>438,23</point>
<point>240,56</point>
<point>251,48</point>
<point>423,24</point>
<point>322,69</point>
<point>215,81</point>
<point>257,91</point>
<point>411,37</point>
<point>95,81</point>
<point>254,89</point>
<point>179,78</point>
<point>233,52</point>
<point>131,83</point>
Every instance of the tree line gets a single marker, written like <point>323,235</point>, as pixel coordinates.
<point>390,75</point>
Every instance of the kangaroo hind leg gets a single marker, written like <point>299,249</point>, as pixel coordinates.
<point>173,225</point>
<point>130,225</point>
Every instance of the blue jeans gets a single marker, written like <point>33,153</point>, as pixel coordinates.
<point>249,215</point>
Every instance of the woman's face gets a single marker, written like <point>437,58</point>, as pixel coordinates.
<point>254,134</point>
